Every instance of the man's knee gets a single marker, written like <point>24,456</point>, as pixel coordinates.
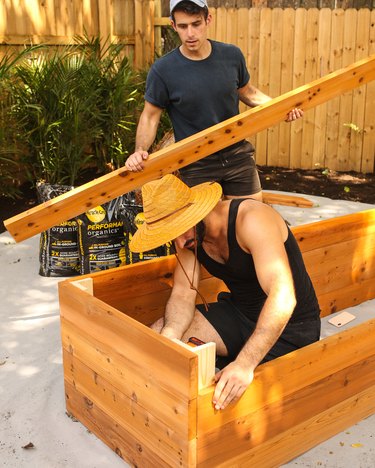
<point>158,325</point>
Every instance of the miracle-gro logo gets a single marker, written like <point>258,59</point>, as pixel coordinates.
<point>139,220</point>
<point>96,215</point>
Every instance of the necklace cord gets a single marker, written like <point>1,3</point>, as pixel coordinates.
<point>195,263</point>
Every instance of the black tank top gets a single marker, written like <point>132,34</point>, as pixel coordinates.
<point>239,275</point>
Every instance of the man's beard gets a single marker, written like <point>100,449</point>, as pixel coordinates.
<point>200,231</point>
<point>196,241</point>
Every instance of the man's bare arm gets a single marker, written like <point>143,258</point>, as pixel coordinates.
<point>263,239</point>
<point>252,97</point>
<point>145,136</point>
<point>180,308</point>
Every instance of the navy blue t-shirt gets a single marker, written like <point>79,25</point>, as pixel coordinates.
<point>198,93</point>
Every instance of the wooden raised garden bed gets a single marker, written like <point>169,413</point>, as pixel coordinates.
<point>138,391</point>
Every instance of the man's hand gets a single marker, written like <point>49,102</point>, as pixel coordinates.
<point>294,115</point>
<point>232,381</point>
<point>134,163</point>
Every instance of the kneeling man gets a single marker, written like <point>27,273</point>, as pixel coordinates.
<point>271,308</point>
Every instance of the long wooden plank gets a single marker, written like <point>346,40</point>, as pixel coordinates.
<point>252,429</point>
<point>138,384</point>
<point>340,265</point>
<point>148,430</point>
<point>145,298</point>
<point>349,296</point>
<point>191,149</point>
<point>287,200</point>
<point>301,437</point>
<point>103,426</point>
<point>291,373</point>
<point>136,345</point>
<point>334,230</point>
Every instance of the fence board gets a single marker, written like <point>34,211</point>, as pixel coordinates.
<point>286,81</point>
<point>221,25</point>
<point>263,76</point>
<point>232,19</point>
<point>243,40</point>
<point>19,22</point>
<point>253,47</point>
<point>105,23</point>
<point>368,152</point>
<point>346,100</point>
<point>274,81</point>
<point>89,16</point>
<point>311,58</point>
<point>243,31</point>
<point>253,52</point>
<point>359,96</point>
<point>333,106</point>
<point>298,80</point>
<point>324,45</point>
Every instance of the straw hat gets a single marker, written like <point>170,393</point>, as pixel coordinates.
<point>170,209</point>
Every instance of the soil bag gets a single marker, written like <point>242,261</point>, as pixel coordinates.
<point>58,247</point>
<point>101,238</point>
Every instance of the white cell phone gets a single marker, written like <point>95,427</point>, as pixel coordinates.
<point>341,319</point>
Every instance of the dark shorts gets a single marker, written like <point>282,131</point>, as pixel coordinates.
<point>233,168</point>
<point>235,328</point>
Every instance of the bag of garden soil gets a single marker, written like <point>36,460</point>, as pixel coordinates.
<point>101,238</point>
<point>58,247</point>
<point>131,212</point>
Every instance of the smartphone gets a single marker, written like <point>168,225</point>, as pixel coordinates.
<point>341,319</point>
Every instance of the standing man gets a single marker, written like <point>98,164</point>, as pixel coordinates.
<point>200,84</point>
<point>271,308</point>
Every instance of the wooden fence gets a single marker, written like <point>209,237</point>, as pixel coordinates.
<point>288,48</point>
<point>284,49</point>
<point>56,22</point>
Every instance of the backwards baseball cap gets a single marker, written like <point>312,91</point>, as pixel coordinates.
<point>174,3</point>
